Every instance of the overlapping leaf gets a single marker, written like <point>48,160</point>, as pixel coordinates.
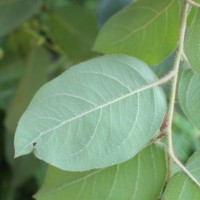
<point>189,96</point>
<point>14,12</point>
<point>96,114</point>
<point>124,181</point>
<point>147,29</point>
<point>192,42</point>
<point>181,187</point>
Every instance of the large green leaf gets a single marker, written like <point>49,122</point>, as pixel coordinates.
<point>124,181</point>
<point>192,43</point>
<point>181,187</point>
<point>34,77</point>
<point>74,30</point>
<point>189,96</point>
<point>96,114</point>
<point>147,29</point>
<point>14,12</point>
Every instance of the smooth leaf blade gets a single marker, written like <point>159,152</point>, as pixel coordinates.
<point>14,12</point>
<point>96,114</point>
<point>124,181</point>
<point>189,95</point>
<point>146,29</point>
<point>181,187</point>
<point>192,42</point>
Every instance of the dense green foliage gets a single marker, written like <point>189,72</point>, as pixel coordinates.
<point>95,124</point>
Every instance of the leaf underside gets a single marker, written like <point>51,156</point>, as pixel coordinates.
<point>96,114</point>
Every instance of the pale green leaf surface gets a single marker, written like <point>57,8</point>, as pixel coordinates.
<point>96,114</point>
<point>182,187</point>
<point>35,75</point>
<point>189,96</point>
<point>124,181</point>
<point>192,42</point>
<point>146,29</point>
<point>74,35</point>
<point>14,12</point>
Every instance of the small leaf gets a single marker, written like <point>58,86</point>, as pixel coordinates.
<point>96,114</point>
<point>14,12</point>
<point>74,35</point>
<point>124,181</point>
<point>189,95</point>
<point>192,42</point>
<point>147,29</point>
<point>181,187</point>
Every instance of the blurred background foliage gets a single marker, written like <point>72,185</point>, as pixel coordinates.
<point>39,39</point>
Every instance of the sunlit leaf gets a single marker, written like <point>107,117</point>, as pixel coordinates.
<point>146,29</point>
<point>96,114</point>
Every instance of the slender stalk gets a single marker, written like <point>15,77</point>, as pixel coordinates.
<point>180,50</point>
<point>193,3</point>
<point>179,54</point>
